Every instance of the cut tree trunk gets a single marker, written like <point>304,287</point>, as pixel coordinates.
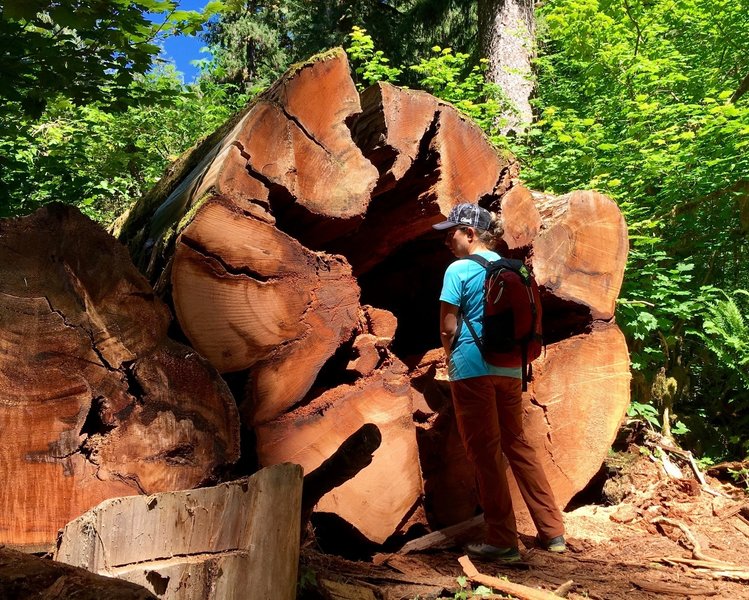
<point>248,295</point>
<point>421,178</point>
<point>95,400</point>
<point>217,543</point>
<point>269,239</point>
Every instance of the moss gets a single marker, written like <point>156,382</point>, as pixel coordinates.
<point>192,211</point>
<point>320,57</point>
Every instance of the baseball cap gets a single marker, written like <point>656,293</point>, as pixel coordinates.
<point>469,215</point>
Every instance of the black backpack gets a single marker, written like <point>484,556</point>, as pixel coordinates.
<point>512,315</point>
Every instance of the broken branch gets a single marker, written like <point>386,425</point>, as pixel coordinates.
<point>521,591</point>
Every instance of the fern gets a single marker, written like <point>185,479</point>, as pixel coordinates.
<point>726,334</point>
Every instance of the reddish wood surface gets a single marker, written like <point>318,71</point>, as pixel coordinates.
<point>430,158</point>
<point>520,218</point>
<point>269,238</point>
<point>580,254</point>
<point>95,400</point>
<point>376,500</point>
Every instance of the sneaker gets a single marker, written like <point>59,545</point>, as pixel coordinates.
<point>555,544</point>
<point>490,552</point>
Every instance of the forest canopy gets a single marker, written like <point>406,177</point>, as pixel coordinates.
<point>644,101</point>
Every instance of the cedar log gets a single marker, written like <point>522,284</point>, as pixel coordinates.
<point>266,239</point>
<point>95,400</point>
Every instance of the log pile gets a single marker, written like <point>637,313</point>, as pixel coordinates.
<point>296,247</point>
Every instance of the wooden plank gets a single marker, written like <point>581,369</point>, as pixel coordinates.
<point>208,543</point>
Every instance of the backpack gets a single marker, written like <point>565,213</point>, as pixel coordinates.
<point>512,315</point>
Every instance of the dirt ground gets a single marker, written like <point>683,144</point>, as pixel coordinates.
<point>663,537</point>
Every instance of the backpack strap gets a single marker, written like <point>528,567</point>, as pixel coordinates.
<point>477,259</point>
<point>485,264</point>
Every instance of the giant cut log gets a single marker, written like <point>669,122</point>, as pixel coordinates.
<point>291,150</point>
<point>249,296</point>
<point>430,157</point>
<point>95,400</point>
<point>573,409</point>
<point>232,541</point>
<point>293,240</point>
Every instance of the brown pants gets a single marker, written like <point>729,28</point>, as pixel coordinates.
<point>489,414</point>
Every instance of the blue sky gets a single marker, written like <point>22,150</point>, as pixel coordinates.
<point>183,49</point>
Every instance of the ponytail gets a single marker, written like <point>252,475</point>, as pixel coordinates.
<point>491,236</point>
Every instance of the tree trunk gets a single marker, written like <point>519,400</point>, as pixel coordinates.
<point>95,400</point>
<point>316,304</point>
<point>507,31</point>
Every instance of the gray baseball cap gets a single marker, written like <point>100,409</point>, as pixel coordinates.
<point>467,215</point>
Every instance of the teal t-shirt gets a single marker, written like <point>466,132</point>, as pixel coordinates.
<point>463,286</point>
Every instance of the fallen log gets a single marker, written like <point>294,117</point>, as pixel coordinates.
<point>95,400</point>
<point>267,240</point>
<point>211,543</point>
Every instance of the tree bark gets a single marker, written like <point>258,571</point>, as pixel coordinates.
<point>507,30</point>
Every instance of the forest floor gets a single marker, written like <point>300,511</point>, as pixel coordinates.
<point>663,537</point>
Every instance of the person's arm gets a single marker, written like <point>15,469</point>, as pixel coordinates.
<point>448,325</point>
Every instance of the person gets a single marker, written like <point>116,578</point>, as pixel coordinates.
<point>488,399</point>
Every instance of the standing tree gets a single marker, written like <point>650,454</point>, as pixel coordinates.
<point>506,37</point>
